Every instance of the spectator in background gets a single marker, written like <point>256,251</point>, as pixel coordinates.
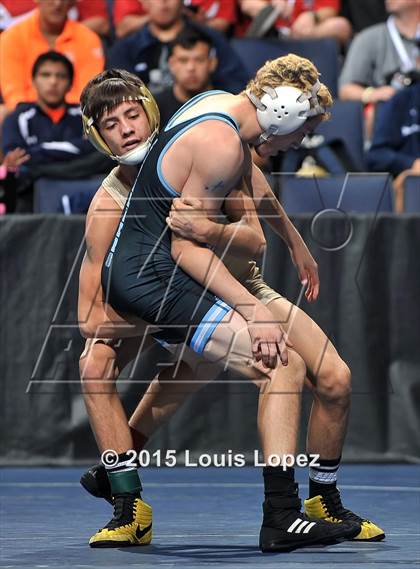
<point>192,62</point>
<point>381,58</point>
<point>396,140</point>
<point>48,130</point>
<point>297,19</point>
<point>363,14</point>
<point>131,15</point>
<point>146,52</point>
<point>48,27</point>
<point>217,14</point>
<point>91,13</point>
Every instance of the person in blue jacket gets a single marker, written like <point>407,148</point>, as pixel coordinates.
<point>145,53</point>
<point>49,130</point>
<point>396,140</point>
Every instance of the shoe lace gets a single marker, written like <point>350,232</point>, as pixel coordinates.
<point>334,507</point>
<point>125,507</point>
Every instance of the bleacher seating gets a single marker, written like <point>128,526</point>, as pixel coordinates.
<point>60,196</point>
<point>412,194</point>
<point>346,126</point>
<point>323,52</point>
<point>352,193</point>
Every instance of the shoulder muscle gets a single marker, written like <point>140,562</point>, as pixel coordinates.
<point>218,153</point>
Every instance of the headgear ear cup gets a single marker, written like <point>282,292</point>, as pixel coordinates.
<point>93,135</point>
<point>151,108</point>
<point>284,109</point>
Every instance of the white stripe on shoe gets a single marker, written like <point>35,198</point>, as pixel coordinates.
<point>293,525</point>
<point>302,525</point>
<point>298,525</point>
<point>309,527</point>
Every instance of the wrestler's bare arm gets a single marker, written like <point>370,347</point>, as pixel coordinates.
<point>242,237</point>
<point>269,207</point>
<point>209,177</point>
<point>96,318</point>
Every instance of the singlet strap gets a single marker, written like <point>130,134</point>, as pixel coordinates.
<point>190,103</point>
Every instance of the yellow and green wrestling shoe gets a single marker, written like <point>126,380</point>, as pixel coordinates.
<point>330,508</point>
<point>130,525</point>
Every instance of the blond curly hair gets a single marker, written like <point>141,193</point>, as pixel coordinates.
<point>291,70</point>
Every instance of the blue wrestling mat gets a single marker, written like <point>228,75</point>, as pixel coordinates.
<point>202,518</point>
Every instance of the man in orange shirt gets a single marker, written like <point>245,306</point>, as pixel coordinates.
<point>91,13</point>
<point>47,28</point>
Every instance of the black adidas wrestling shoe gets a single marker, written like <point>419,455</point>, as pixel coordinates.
<point>330,508</point>
<point>96,482</point>
<point>285,530</point>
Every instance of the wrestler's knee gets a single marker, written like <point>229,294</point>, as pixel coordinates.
<point>286,378</point>
<point>296,368</point>
<point>296,362</point>
<point>97,369</point>
<point>333,383</point>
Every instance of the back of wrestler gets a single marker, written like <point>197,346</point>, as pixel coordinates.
<point>139,274</point>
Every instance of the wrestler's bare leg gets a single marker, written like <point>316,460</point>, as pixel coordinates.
<point>331,389</point>
<point>331,381</point>
<point>100,366</point>
<point>280,388</point>
<point>330,376</point>
<point>230,346</point>
<point>330,409</point>
<point>98,373</point>
<point>278,424</point>
<point>169,389</point>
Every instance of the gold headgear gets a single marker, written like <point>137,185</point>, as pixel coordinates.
<point>149,105</point>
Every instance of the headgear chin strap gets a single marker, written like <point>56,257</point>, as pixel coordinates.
<point>137,154</point>
<point>284,109</point>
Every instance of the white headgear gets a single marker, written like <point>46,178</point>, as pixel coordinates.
<point>284,109</point>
